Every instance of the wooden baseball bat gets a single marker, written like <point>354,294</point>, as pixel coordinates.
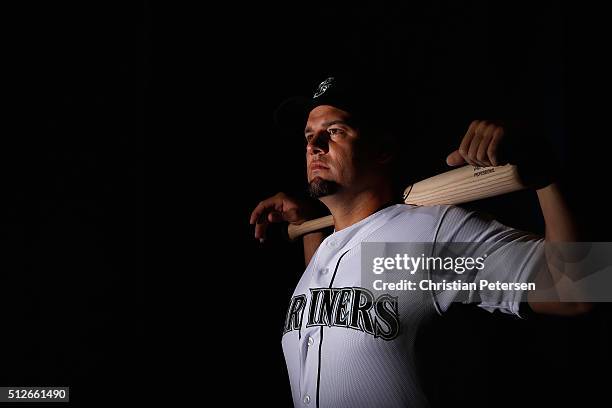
<point>461,185</point>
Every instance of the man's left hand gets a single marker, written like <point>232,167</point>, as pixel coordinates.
<point>480,145</point>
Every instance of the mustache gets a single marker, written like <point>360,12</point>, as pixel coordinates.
<point>319,161</point>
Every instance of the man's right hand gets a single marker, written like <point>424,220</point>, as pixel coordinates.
<point>279,208</point>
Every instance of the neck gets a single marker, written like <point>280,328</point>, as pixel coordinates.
<point>349,208</point>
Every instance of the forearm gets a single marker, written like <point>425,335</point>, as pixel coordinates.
<point>560,226</point>
<point>559,221</point>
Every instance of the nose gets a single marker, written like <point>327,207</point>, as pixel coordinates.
<point>319,143</point>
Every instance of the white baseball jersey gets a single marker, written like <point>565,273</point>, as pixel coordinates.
<point>346,348</point>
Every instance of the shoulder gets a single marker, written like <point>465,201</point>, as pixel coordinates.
<point>441,221</point>
<point>410,223</point>
<point>407,211</point>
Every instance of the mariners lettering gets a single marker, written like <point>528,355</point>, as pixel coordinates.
<point>350,308</point>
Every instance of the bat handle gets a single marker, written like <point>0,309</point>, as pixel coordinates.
<point>296,231</point>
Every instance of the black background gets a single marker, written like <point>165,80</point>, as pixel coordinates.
<point>72,205</point>
<point>464,61</point>
<point>72,159</point>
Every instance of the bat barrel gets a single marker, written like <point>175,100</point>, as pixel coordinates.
<point>464,184</point>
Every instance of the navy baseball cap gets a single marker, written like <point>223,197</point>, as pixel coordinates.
<point>358,95</point>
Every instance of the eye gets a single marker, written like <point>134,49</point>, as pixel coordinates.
<point>335,131</point>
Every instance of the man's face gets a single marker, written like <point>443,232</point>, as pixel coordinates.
<point>333,151</point>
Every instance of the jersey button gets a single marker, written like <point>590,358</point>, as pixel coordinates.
<point>307,399</point>
<point>331,243</point>
<point>324,271</point>
<point>310,341</point>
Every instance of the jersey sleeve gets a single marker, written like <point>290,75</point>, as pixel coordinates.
<point>510,256</point>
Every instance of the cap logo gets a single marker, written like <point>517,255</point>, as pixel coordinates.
<point>323,86</point>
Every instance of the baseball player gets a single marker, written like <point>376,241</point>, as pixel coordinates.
<point>344,345</point>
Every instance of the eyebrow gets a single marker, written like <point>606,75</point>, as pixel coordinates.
<point>327,124</point>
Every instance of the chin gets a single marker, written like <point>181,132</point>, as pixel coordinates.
<point>319,187</point>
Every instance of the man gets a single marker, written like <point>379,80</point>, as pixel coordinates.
<point>344,345</point>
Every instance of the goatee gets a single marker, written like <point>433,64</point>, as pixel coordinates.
<point>319,187</point>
